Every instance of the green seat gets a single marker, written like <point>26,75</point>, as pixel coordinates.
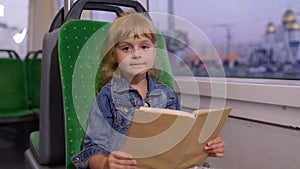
<point>27,61</point>
<point>34,138</point>
<point>80,43</point>
<point>35,83</point>
<point>14,105</point>
<point>46,148</point>
<point>33,69</point>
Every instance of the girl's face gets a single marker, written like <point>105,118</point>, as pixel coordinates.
<point>135,55</point>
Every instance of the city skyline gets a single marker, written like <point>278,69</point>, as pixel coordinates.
<point>246,20</point>
<point>238,16</point>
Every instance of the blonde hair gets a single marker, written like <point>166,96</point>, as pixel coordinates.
<point>129,24</point>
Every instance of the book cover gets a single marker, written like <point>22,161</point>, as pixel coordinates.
<point>172,139</point>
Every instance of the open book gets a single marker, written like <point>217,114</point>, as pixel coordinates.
<point>172,139</point>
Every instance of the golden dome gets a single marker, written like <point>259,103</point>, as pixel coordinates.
<point>294,25</point>
<point>271,28</point>
<point>288,16</point>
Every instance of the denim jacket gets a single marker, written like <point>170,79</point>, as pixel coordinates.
<point>111,116</point>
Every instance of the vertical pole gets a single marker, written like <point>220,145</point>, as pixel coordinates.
<point>67,6</point>
<point>228,37</point>
<point>171,12</point>
<point>145,3</point>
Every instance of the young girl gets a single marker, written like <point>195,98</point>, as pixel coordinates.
<point>130,84</point>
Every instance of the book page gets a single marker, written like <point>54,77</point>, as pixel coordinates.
<point>210,125</point>
<point>165,130</point>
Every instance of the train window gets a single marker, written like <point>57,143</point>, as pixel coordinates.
<point>253,39</point>
<point>14,25</point>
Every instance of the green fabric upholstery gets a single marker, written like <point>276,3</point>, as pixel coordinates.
<point>80,43</point>
<point>35,82</point>
<point>27,62</point>
<point>13,89</point>
<point>34,138</point>
<point>33,71</point>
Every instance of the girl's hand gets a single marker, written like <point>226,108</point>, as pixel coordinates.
<point>216,147</point>
<point>118,159</point>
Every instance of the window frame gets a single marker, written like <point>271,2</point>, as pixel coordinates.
<point>265,100</point>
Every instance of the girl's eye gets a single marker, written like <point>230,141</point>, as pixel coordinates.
<point>145,47</point>
<point>126,48</point>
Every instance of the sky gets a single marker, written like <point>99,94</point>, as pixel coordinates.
<point>246,19</point>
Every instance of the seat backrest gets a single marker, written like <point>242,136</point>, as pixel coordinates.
<point>51,137</point>
<point>35,74</point>
<point>13,87</point>
<point>51,147</point>
<point>47,144</point>
<point>27,62</point>
<point>80,44</point>
<point>33,68</point>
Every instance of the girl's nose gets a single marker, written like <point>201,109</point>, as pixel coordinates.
<point>136,54</point>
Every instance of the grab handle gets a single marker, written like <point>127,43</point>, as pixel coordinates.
<point>105,5</point>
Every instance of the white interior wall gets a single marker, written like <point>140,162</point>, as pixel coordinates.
<point>261,133</point>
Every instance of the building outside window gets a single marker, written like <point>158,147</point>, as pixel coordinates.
<point>253,39</point>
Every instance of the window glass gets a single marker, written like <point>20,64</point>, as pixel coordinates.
<point>14,26</point>
<point>253,38</point>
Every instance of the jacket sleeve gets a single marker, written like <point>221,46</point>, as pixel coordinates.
<point>174,102</point>
<point>178,103</point>
<point>98,134</point>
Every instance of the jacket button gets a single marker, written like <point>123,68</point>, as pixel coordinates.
<point>126,109</point>
<point>77,160</point>
<point>146,104</point>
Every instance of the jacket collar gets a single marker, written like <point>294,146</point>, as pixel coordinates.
<point>122,85</point>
